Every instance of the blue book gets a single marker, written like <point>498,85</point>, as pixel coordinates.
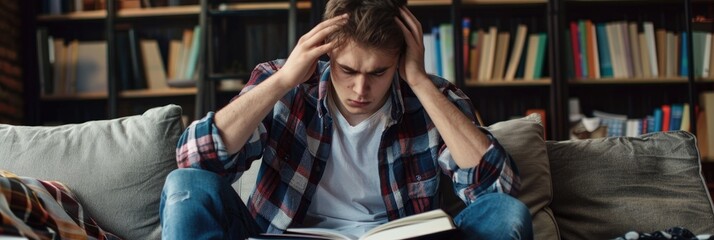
<point>437,48</point>
<point>683,69</point>
<point>603,49</point>
<point>582,37</point>
<point>650,124</point>
<point>675,121</point>
<point>657,120</point>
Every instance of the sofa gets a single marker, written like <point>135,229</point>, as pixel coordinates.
<point>581,189</point>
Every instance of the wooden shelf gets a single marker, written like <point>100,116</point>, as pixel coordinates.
<point>171,11</point>
<point>503,83</point>
<point>429,2</point>
<point>146,93</point>
<point>503,2</point>
<point>159,11</point>
<point>665,80</point>
<point>85,15</point>
<point>263,6</point>
<point>78,96</point>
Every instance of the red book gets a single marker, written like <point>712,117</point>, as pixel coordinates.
<point>577,54</point>
<point>666,114</point>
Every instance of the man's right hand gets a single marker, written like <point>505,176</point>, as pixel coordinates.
<point>303,59</point>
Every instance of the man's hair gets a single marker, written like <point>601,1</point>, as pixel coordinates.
<point>370,24</point>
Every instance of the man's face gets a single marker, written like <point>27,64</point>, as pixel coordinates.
<point>361,79</point>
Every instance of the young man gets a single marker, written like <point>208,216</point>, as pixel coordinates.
<point>347,145</point>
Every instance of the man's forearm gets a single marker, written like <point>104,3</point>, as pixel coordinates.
<point>239,119</point>
<point>466,142</point>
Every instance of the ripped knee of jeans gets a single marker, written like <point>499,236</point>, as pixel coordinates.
<point>178,197</point>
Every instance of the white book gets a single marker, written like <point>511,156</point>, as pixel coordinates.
<point>635,50</point>
<point>154,71</point>
<point>615,52</point>
<point>429,52</point>
<point>92,67</point>
<point>423,224</point>
<point>531,56</point>
<point>516,52</point>
<point>652,48</point>
<point>707,52</point>
<point>484,56</point>
<point>491,54</point>
<point>644,56</point>
<point>625,49</point>
<point>671,62</point>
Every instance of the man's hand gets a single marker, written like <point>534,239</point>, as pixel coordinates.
<point>303,59</point>
<point>412,63</point>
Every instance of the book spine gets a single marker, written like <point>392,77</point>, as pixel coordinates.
<point>604,52</point>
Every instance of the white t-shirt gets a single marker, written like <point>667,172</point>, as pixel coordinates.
<point>348,198</point>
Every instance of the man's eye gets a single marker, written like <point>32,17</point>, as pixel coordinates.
<point>378,74</point>
<point>348,72</point>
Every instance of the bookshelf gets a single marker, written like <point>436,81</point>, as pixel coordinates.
<point>495,99</point>
<point>109,23</point>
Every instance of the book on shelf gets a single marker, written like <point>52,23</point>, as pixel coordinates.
<point>447,51</point>
<point>626,49</point>
<point>45,57</point>
<point>603,51</point>
<point>419,225</point>
<point>91,72</point>
<point>517,51</point>
<point>154,71</point>
<point>502,41</point>
<point>649,34</point>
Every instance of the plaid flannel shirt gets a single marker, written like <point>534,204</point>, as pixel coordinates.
<point>38,209</point>
<point>294,144</point>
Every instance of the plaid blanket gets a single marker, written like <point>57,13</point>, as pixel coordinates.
<point>675,233</point>
<point>38,209</point>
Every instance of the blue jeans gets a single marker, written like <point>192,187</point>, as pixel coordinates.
<point>198,204</point>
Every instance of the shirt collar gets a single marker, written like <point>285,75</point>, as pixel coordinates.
<point>325,84</point>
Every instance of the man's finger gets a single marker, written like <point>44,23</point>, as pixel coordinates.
<point>324,24</point>
<point>410,22</point>
<point>408,35</point>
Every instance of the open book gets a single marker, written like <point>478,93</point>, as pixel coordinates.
<point>422,224</point>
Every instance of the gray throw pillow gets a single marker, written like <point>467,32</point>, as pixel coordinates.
<point>523,140</point>
<point>115,167</point>
<point>606,187</point>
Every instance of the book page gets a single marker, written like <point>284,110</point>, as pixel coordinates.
<point>438,213</point>
<point>328,233</point>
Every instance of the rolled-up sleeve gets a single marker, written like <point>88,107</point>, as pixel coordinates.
<point>202,147</point>
<point>496,171</point>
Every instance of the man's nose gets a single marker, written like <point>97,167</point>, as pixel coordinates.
<point>361,85</point>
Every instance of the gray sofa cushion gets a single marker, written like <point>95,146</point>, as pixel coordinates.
<point>115,167</point>
<point>606,187</point>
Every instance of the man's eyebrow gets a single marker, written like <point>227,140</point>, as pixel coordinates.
<point>377,70</point>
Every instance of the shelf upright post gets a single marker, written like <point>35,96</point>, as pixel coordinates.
<point>559,84</point>
<point>112,89</point>
<point>292,25</point>
<point>205,92</point>
<point>690,67</point>
<point>318,7</point>
<point>458,35</point>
